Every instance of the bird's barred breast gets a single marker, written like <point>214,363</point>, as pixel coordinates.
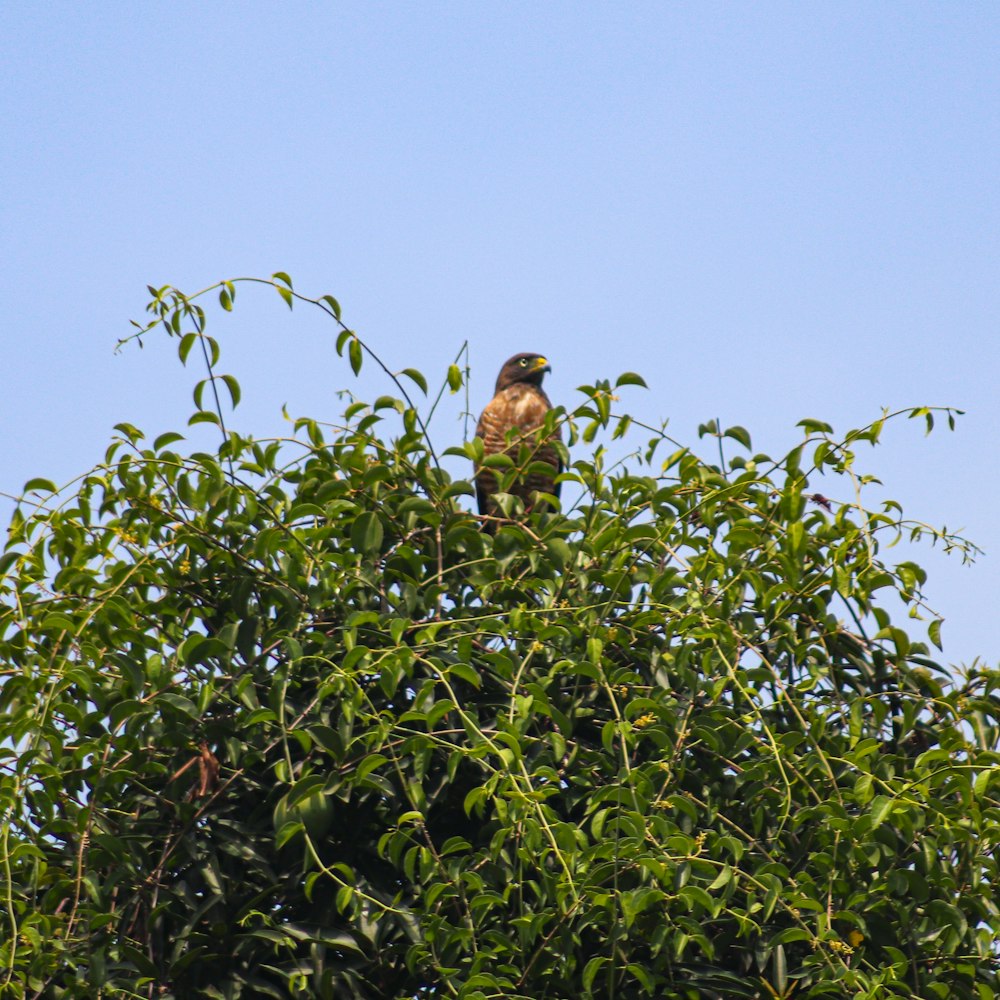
<point>520,408</point>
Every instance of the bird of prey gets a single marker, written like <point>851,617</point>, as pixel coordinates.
<point>511,421</point>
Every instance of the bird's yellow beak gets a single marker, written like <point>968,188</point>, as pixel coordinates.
<point>542,364</point>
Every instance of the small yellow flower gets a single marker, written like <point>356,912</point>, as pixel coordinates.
<point>855,937</point>
<point>184,567</point>
<point>644,720</point>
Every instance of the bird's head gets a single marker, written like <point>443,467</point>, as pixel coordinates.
<point>523,368</point>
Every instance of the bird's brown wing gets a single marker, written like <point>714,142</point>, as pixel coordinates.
<point>492,428</point>
<point>521,409</point>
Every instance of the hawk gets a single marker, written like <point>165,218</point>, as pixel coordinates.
<point>511,419</point>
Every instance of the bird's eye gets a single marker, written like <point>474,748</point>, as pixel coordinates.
<point>523,362</point>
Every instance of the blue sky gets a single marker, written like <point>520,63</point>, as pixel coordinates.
<point>772,211</point>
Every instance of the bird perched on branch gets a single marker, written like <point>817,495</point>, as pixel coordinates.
<point>511,421</point>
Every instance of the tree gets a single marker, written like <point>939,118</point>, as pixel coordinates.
<point>281,720</point>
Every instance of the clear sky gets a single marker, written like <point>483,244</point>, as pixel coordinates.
<point>772,211</point>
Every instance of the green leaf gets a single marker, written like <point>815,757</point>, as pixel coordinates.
<point>630,378</point>
<point>740,434</point>
<point>880,810</point>
<point>179,702</point>
<point>204,417</point>
<point>982,783</point>
<point>466,672</point>
<point>287,832</point>
<point>333,304</point>
<point>259,715</point>
<point>57,622</point>
<point>38,485</point>
<point>815,426</point>
<point>213,350</point>
<point>367,533</point>
<point>723,879</point>
<point>368,765</point>
<point>697,899</point>
<point>947,914</point>
<point>787,936</point>
<point>417,378</point>
<point>328,738</point>
<point>934,632</point>
<point>779,970</point>
<point>354,354</point>
<point>304,788</point>
<point>234,389</point>
<point>131,433</point>
<point>592,968</point>
<point>167,438</point>
<point>184,347</point>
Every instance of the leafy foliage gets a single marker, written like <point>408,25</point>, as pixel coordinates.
<point>282,721</point>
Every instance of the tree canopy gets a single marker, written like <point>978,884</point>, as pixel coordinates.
<point>281,720</point>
